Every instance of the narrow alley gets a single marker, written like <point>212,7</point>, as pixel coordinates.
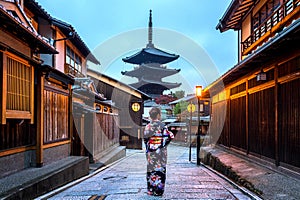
<point>126,179</point>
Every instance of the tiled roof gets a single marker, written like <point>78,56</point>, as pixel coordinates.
<point>151,55</point>
<point>283,41</point>
<point>234,14</point>
<point>65,27</point>
<point>10,21</point>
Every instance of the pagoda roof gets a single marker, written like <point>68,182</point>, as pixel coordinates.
<point>146,69</point>
<point>165,85</point>
<point>151,55</point>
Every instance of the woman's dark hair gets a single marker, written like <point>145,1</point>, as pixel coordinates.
<point>154,112</point>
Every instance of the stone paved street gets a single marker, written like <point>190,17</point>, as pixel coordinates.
<point>126,180</point>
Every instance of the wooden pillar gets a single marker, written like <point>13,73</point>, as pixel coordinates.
<point>32,107</point>
<point>71,119</point>
<point>4,88</point>
<point>229,123</point>
<point>276,129</point>
<point>247,118</point>
<point>40,121</point>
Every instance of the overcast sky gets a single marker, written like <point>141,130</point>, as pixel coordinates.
<point>184,27</point>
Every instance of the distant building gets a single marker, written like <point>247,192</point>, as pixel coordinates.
<point>151,68</point>
<point>130,104</point>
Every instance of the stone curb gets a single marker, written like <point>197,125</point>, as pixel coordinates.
<point>215,163</point>
<point>36,181</point>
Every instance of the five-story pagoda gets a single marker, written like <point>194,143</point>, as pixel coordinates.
<point>151,69</point>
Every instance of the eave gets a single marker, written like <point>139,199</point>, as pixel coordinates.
<point>75,39</point>
<point>117,84</point>
<point>145,69</point>
<point>151,55</point>
<point>55,74</point>
<point>36,42</point>
<point>64,27</point>
<point>166,85</point>
<point>281,44</point>
<point>234,14</point>
<point>34,7</point>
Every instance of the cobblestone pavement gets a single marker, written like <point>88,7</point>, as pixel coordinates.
<point>126,179</point>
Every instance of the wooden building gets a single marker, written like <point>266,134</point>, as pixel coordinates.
<point>39,60</point>
<point>130,103</point>
<point>20,45</point>
<point>84,124</point>
<point>256,104</point>
<point>95,128</point>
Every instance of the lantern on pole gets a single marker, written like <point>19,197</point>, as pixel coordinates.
<point>198,95</point>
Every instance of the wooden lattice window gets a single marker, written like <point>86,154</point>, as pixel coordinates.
<point>18,86</point>
<point>56,116</point>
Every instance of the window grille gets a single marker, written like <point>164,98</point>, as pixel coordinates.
<point>18,89</point>
<point>56,110</point>
<point>19,81</point>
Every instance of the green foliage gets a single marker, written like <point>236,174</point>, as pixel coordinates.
<point>179,94</point>
<point>180,107</point>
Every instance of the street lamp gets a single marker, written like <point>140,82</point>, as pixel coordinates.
<point>198,95</point>
<point>191,108</point>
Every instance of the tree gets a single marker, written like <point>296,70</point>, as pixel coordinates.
<point>180,107</point>
<point>164,99</point>
<point>179,94</point>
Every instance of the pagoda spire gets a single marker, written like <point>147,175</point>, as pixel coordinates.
<point>150,44</point>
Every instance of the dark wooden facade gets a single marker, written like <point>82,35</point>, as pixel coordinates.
<point>265,120</point>
<point>123,96</point>
<point>36,94</point>
<point>95,127</point>
<point>257,116</point>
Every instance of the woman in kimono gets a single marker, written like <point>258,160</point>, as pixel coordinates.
<point>156,137</point>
